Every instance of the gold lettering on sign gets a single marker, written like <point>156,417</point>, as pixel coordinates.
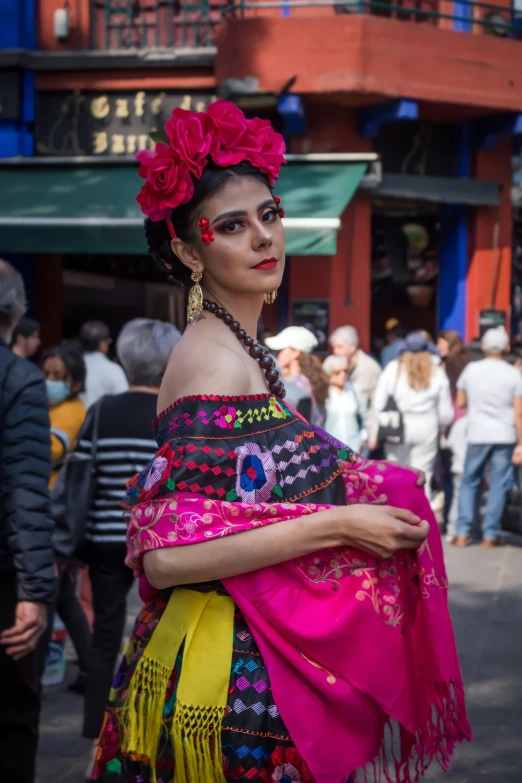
<point>139,103</point>
<point>201,106</point>
<point>185,103</point>
<point>100,142</point>
<point>143,141</point>
<point>131,144</point>
<point>100,107</point>
<point>118,144</point>
<point>156,103</point>
<point>122,107</point>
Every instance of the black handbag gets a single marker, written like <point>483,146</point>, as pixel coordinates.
<point>72,495</point>
<point>512,516</point>
<point>390,421</point>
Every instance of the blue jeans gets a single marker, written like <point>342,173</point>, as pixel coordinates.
<point>501,479</point>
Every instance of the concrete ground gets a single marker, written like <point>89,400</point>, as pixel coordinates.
<point>486,605</point>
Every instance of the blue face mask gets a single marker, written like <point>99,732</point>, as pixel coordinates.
<point>57,391</point>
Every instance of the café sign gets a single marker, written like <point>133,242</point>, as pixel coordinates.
<point>106,123</point>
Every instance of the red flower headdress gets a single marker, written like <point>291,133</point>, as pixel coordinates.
<point>222,134</point>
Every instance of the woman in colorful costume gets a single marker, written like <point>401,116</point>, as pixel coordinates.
<point>295,626</point>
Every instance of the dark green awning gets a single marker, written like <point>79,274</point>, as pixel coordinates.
<point>439,190</point>
<point>64,208</point>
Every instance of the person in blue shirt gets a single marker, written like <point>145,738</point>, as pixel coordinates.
<point>395,334</point>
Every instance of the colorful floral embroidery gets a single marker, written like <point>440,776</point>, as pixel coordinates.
<point>255,473</point>
<point>226,417</point>
<point>157,469</point>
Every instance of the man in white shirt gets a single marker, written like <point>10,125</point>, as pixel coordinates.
<point>364,371</point>
<point>103,376</point>
<point>491,390</point>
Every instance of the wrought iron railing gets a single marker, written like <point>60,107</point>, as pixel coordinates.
<point>462,15</point>
<point>188,24</point>
<point>154,24</point>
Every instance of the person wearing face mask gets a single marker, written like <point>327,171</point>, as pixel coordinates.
<point>64,371</point>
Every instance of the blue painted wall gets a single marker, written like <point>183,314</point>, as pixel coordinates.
<point>454,227</point>
<point>18,31</point>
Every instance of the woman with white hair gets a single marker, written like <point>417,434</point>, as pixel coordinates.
<point>345,410</point>
<point>125,445</point>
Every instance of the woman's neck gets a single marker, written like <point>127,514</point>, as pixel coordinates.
<point>146,389</point>
<point>243,307</point>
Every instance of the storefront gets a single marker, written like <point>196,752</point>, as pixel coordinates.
<point>72,209</point>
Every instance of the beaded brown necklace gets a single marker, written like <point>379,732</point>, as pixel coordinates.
<point>255,349</point>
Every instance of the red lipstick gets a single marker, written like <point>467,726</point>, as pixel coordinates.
<point>267,263</point>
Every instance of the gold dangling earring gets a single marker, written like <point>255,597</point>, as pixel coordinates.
<point>195,301</point>
<point>271,297</point>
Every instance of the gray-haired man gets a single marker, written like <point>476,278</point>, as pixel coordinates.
<point>26,553</point>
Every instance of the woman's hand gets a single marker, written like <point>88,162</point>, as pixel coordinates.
<point>380,530</point>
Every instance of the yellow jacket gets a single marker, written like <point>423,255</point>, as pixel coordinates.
<point>66,422</point>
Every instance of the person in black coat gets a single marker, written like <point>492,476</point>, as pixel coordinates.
<point>27,582</point>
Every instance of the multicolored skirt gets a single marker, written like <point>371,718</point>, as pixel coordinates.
<point>256,744</point>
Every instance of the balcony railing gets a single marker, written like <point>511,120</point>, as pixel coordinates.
<point>154,24</point>
<point>472,16</point>
<point>190,24</point>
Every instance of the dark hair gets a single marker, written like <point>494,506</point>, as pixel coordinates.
<point>73,360</point>
<point>183,217</point>
<point>25,327</point>
<point>92,334</point>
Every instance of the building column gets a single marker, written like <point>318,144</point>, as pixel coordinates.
<point>350,270</point>
<point>489,273</point>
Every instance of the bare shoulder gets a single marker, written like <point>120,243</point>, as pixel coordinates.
<point>203,367</point>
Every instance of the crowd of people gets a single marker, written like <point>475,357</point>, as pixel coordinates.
<point>431,406</point>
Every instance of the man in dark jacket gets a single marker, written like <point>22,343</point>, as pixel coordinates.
<point>26,556</point>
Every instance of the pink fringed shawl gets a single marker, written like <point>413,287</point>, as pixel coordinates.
<point>360,651</point>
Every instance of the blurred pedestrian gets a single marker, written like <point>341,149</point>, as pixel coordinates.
<point>26,338</point>
<point>103,375</point>
<point>420,389</point>
<point>455,356</point>
<point>491,391</point>
<point>125,445</point>
<point>345,411</point>
<point>64,371</point>
<point>27,583</point>
<point>364,371</point>
<point>305,384</point>
<point>395,334</point>
<point>457,445</point>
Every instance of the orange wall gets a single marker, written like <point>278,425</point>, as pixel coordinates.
<point>492,165</point>
<point>373,55</point>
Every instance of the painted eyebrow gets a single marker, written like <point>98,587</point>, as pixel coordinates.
<point>242,213</point>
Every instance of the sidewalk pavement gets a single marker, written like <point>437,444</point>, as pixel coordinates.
<point>486,605</point>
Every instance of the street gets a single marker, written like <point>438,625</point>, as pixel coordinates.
<point>486,605</point>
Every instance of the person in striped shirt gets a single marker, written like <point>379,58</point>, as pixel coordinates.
<point>125,445</point>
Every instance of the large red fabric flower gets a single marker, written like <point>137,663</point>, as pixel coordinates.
<point>168,184</point>
<point>191,135</point>
<point>231,124</point>
<point>222,133</point>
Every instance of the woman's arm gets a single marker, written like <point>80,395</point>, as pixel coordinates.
<point>379,530</point>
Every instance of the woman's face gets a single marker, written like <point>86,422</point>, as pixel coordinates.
<point>338,378</point>
<point>286,357</point>
<point>54,369</point>
<point>248,251</point>
<point>443,346</point>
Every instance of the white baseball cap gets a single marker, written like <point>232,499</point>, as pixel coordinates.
<point>495,340</point>
<point>293,337</point>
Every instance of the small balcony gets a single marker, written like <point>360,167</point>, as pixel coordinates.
<point>154,24</point>
<point>499,18</point>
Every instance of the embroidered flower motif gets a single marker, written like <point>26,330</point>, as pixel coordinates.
<point>286,774</point>
<point>255,473</point>
<point>157,469</point>
<point>226,418</point>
